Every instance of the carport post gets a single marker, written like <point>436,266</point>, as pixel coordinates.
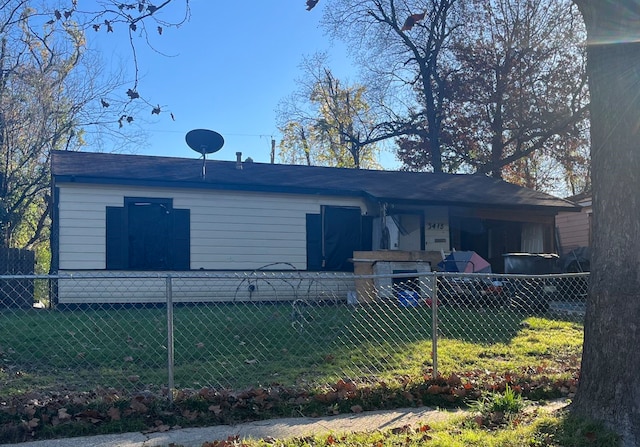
<point>434,324</point>
<point>169,296</point>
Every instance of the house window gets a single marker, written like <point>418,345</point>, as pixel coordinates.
<point>334,235</point>
<point>147,234</point>
<point>532,238</point>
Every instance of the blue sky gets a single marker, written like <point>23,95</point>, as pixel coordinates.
<point>226,69</point>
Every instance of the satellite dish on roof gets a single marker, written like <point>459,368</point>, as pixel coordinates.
<point>204,142</point>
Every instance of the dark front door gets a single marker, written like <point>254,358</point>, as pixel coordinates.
<point>149,231</point>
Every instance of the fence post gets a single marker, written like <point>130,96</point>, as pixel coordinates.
<point>170,360</point>
<point>434,324</point>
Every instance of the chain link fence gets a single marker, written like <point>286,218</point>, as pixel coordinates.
<point>136,332</point>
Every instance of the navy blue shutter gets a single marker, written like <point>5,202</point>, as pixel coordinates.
<point>314,242</point>
<point>342,228</point>
<point>367,233</point>
<point>116,240</point>
<point>181,240</point>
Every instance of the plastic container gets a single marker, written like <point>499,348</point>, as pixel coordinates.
<point>408,298</point>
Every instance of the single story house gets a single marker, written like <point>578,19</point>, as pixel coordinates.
<point>129,214</point>
<point>574,235</point>
<point>574,229</point>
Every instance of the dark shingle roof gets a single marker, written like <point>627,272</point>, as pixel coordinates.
<point>390,186</point>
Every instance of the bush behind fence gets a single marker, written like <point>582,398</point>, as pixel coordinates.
<point>135,332</point>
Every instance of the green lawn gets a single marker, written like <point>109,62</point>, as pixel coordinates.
<point>239,345</point>
<point>540,429</point>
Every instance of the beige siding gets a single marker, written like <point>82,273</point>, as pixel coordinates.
<point>573,229</point>
<point>436,228</point>
<point>229,230</point>
<point>197,287</point>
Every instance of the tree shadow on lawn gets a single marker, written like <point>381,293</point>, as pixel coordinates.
<point>257,344</point>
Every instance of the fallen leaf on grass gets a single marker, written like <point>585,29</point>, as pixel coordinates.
<point>30,410</point>
<point>434,389</point>
<point>92,416</point>
<point>138,406</point>
<point>94,421</point>
<point>328,398</point>
<point>80,400</point>
<point>454,380</point>
<point>231,441</point>
<point>114,413</point>
<point>400,430</point>
<point>157,429</point>
<point>459,392</point>
<point>190,415</point>
<point>346,386</point>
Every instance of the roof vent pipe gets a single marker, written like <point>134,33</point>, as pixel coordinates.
<point>238,160</point>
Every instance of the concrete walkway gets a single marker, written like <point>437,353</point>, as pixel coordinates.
<point>276,428</point>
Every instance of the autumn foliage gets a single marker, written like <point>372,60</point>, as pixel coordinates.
<point>46,414</point>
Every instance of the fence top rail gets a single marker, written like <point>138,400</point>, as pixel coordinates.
<point>509,275</point>
<point>299,275</point>
<point>185,275</point>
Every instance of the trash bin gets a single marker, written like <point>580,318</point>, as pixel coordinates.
<point>531,263</point>
<point>532,294</point>
<point>408,298</point>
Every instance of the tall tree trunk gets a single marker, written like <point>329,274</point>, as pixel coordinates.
<point>497,141</point>
<point>609,388</point>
